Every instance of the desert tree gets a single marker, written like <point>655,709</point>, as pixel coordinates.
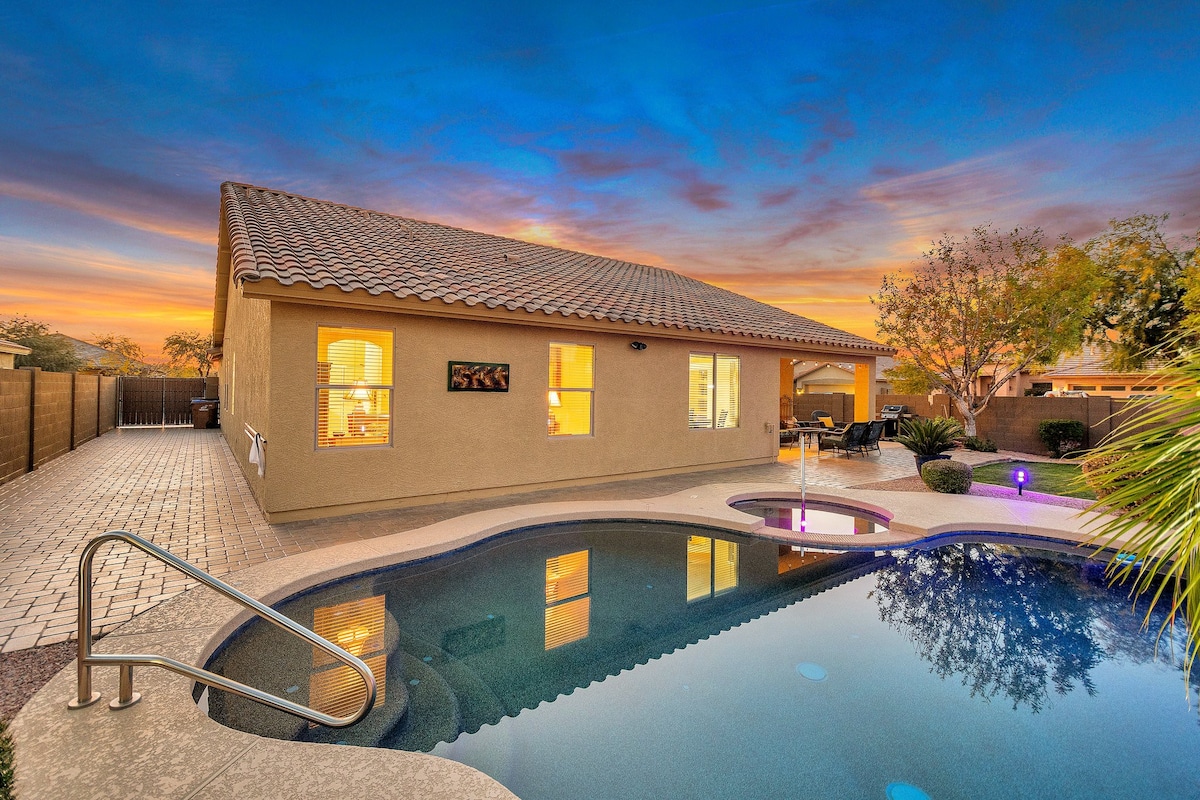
<point>1143,301</point>
<point>127,357</point>
<point>48,351</point>
<point>188,350</point>
<point>986,305</point>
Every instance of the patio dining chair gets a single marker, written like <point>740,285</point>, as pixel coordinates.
<point>874,433</point>
<point>849,440</point>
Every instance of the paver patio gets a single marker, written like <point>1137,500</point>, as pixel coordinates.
<point>181,489</point>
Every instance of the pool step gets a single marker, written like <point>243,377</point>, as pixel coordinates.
<point>432,715</point>
<point>477,704</point>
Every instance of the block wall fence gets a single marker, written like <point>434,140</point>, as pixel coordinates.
<point>46,414</point>
<point>1011,422</point>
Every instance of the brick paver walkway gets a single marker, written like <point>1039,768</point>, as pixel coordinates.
<point>181,489</point>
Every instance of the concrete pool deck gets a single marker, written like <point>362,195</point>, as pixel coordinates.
<point>165,747</point>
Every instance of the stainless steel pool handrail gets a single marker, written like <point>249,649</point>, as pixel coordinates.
<point>126,697</point>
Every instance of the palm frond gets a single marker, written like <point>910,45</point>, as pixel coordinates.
<point>1148,476</point>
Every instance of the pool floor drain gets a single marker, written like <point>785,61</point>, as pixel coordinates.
<point>905,791</point>
<point>815,672</point>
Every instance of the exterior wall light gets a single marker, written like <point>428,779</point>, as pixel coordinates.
<point>638,345</point>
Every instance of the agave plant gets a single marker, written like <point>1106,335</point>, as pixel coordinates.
<point>1147,473</point>
<point>929,437</point>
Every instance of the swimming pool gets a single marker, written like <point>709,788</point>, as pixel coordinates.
<point>622,660</point>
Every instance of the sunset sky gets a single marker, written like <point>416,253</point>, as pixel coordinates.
<point>793,152</point>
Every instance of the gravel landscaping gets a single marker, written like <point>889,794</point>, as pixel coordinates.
<point>23,672</point>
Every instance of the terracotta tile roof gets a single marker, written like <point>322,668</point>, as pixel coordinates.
<point>292,239</point>
<point>1093,360</point>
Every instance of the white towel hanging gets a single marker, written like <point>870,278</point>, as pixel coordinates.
<point>258,454</point>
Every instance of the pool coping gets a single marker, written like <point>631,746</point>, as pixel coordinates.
<point>166,747</point>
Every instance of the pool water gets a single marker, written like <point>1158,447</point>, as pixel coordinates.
<point>630,660</point>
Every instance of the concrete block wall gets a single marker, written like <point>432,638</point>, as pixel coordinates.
<point>46,414</point>
<point>1012,422</point>
<point>107,405</point>
<point>84,428</point>
<point>53,406</point>
<point>919,404</point>
<point>839,404</point>
<point>15,387</point>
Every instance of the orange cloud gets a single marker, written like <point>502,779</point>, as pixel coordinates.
<point>82,293</point>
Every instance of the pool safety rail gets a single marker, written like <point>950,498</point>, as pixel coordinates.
<point>126,696</point>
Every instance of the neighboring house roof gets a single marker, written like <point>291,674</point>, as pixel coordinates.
<point>13,348</point>
<point>294,240</point>
<point>806,368</point>
<point>1092,360</point>
<point>94,357</point>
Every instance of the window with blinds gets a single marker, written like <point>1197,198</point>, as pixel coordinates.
<point>569,396</point>
<point>712,567</point>
<point>357,627</point>
<point>714,391</point>
<point>354,387</point>
<point>568,606</point>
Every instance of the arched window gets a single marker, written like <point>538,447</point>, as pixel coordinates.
<point>354,387</point>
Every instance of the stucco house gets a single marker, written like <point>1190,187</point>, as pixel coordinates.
<point>1087,371</point>
<point>369,360</point>
<point>9,352</point>
<point>825,377</point>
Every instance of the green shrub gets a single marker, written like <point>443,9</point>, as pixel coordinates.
<point>947,477</point>
<point>981,445</point>
<point>6,764</point>
<point>1061,436</point>
<point>929,437</point>
<point>1103,477</point>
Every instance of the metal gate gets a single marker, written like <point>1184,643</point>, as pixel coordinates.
<point>158,401</point>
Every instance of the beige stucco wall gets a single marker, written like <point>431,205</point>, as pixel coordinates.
<point>1095,384</point>
<point>245,373</point>
<point>460,443</point>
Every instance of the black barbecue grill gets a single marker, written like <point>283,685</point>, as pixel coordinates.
<point>892,416</point>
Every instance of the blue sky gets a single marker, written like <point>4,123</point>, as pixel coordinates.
<point>793,152</point>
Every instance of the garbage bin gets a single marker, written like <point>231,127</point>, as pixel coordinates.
<point>204,413</point>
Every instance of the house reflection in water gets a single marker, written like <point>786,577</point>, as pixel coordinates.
<point>356,626</point>
<point>568,608</point>
<point>712,567</point>
<point>484,633</point>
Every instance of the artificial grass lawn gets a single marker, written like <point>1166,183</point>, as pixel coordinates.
<point>1043,477</point>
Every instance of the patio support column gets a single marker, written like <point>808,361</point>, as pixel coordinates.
<point>785,388</point>
<point>864,391</point>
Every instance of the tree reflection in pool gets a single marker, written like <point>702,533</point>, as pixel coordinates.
<point>695,650</point>
<point>1011,624</point>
